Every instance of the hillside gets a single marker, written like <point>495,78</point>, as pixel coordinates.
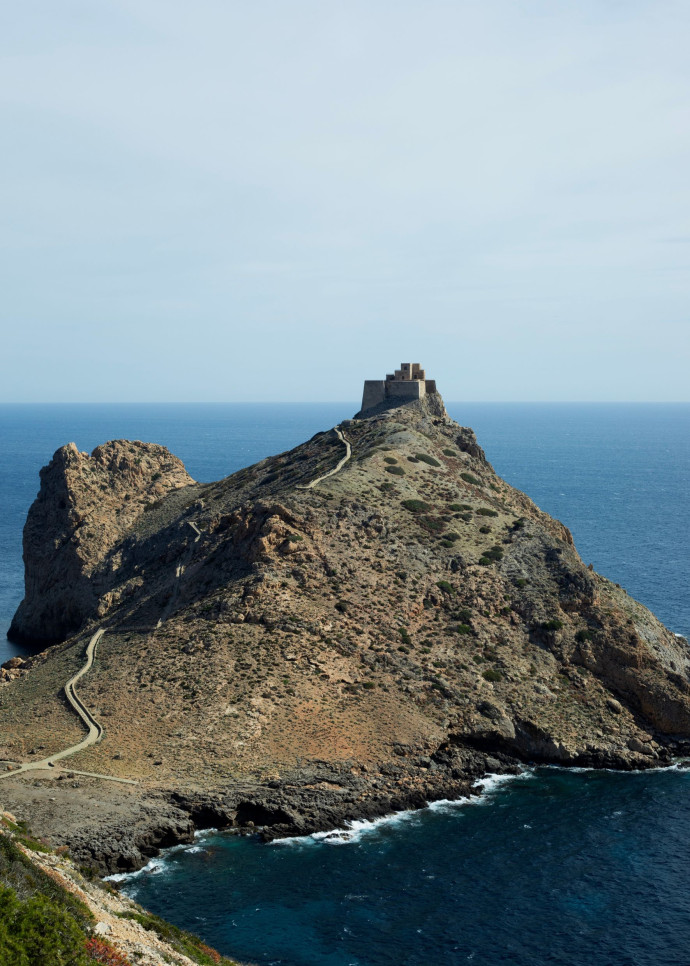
<point>291,656</point>
<point>51,912</point>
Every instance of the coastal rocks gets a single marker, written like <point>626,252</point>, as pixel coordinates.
<point>84,506</point>
<point>290,658</point>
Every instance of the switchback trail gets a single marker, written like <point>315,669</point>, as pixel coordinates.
<point>95,729</point>
<point>348,453</point>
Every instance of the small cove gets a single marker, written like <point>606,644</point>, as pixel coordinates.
<point>557,867</point>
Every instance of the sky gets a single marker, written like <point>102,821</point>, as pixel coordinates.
<point>261,200</point>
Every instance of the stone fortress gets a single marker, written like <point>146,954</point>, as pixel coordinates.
<point>405,384</point>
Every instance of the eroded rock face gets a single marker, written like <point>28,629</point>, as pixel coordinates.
<point>85,505</point>
<point>373,642</point>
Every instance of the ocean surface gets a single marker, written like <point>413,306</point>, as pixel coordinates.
<point>551,868</point>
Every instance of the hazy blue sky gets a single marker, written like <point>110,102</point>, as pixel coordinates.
<point>256,200</point>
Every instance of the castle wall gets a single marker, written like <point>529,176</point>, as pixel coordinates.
<point>374,393</point>
<point>407,384</point>
<point>407,389</point>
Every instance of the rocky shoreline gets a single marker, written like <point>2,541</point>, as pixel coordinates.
<point>320,799</point>
<point>368,623</point>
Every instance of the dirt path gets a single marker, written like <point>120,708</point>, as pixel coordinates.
<point>179,570</point>
<point>348,453</point>
<point>95,729</point>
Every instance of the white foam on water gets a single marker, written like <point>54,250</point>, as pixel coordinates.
<point>354,831</point>
<point>579,769</point>
<point>156,866</point>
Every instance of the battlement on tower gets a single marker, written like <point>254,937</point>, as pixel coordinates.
<point>407,383</point>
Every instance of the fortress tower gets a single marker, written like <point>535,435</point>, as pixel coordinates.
<point>405,384</point>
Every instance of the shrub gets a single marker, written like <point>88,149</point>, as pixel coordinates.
<point>368,685</point>
<point>553,625</point>
<point>584,636</point>
<point>182,941</point>
<point>492,675</point>
<point>463,629</point>
<point>386,487</point>
<point>294,537</point>
<point>519,523</point>
<point>446,587</point>
<point>429,460</point>
<point>485,561</point>
<point>433,524</point>
<point>413,459</point>
<point>101,951</point>
<point>395,470</point>
<point>496,553</point>
<point>468,478</point>
<point>521,582</point>
<point>449,452</point>
<point>415,506</point>
<point>341,606</point>
<point>389,459</point>
<point>450,538</point>
<point>484,511</point>
<point>38,931</point>
<point>405,637</point>
<point>485,529</point>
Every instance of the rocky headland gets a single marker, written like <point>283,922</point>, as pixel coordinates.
<point>288,655</point>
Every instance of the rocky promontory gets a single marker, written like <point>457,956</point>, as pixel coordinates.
<point>368,622</point>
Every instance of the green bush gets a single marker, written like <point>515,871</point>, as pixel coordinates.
<point>416,506</point>
<point>521,582</point>
<point>429,460</point>
<point>446,587</point>
<point>456,507</point>
<point>433,524</point>
<point>484,511</point>
<point>553,625</point>
<point>404,636</point>
<point>485,561</point>
<point>463,629</point>
<point>389,459</point>
<point>492,675</point>
<point>485,529</point>
<point>496,553</point>
<point>468,478</point>
<point>583,635</point>
<point>449,452</point>
<point>38,932</point>
<point>413,459</point>
<point>395,470</point>
<point>386,487</point>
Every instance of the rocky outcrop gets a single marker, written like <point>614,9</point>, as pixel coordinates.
<point>295,657</point>
<point>84,506</point>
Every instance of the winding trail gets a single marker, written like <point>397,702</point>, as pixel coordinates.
<point>348,453</point>
<point>95,729</point>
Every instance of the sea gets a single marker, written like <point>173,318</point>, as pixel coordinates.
<point>569,867</point>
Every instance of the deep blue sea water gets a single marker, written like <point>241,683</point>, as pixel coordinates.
<point>562,868</point>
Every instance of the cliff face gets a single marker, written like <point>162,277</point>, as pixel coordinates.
<point>84,507</point>
<point>295,655</point>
